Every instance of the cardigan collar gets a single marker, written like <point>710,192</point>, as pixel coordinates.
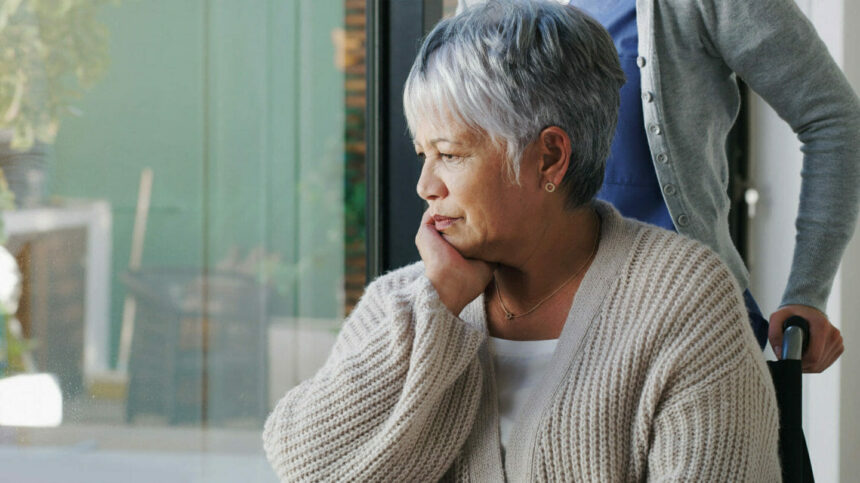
<point>482,452</point>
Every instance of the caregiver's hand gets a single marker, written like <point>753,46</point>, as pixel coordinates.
<point>458,280</point>
<point>825,340</point>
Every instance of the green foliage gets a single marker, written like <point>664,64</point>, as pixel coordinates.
<point>7,202</point>
<point>11,347</point>
<point>50,51</point>
<point>355,207</point>
<point>17,349</point>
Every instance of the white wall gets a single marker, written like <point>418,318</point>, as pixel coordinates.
<point>849,441</point>
<point>831,425</point>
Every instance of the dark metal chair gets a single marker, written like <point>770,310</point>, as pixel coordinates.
<point>787,379</point>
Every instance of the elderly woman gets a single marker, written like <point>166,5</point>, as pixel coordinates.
<point>543,336</point>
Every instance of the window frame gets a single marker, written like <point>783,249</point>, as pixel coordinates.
<point>394,33</point>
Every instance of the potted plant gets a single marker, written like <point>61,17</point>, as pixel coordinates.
<point>27,398</point>
<point>50,51</point>
<point>13,346</point>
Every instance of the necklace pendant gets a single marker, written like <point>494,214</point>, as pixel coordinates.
<point>509,315</point>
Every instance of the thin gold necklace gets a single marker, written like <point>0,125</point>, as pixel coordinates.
<point>510,315</point>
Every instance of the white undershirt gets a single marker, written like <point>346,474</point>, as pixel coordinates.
<point>519,365</point>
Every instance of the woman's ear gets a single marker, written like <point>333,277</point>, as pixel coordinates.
<point>554,148</point>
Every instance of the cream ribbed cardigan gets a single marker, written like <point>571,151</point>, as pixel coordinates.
<point>656,375</point>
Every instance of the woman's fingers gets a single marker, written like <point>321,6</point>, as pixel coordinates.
<point>457,280</point>
<point>834,348</point>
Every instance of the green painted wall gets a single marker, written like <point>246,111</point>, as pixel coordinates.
<point>238,109</point>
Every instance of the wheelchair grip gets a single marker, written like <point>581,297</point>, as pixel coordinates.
<point>795,337</point>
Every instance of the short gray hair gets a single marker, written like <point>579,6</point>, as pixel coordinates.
<point>511,68</point>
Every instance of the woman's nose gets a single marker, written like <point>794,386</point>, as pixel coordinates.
<point>430,186</point>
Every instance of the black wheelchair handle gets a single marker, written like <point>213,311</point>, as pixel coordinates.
<point>795,337</point>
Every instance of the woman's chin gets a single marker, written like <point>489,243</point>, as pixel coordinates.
<point>466,249</point>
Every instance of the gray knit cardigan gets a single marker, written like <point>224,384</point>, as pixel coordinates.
<point>656,376</point>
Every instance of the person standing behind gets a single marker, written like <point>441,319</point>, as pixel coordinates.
<point>668,164</point>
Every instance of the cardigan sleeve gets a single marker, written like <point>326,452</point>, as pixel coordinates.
<point>717,419</point>
<point>726,430</point>
<point>394,401</point>
<point>775,49</point>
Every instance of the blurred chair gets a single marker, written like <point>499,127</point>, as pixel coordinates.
<point>198,354</point>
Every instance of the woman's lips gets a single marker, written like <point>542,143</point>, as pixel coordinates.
<point>443,222</point>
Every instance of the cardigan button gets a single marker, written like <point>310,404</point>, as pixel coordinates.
<point>640,61</point>
<point>683,220</point>
<point>647,96</point>
<point>655,129</point>
<point>662,158</point>
<point>670,190</point>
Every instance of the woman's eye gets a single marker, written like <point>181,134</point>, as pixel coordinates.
<point>450,157</point>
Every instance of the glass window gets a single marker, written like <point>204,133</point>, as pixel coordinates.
<point>449,7</point>
<point>189,231</point>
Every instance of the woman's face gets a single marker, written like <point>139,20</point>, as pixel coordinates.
<point>471,198</point>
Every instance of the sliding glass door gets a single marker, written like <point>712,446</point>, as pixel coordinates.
<point>200,237</point>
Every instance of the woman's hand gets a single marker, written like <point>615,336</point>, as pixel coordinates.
<point>457,280</point>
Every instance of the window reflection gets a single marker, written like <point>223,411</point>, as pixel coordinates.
<point>173,313</point>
